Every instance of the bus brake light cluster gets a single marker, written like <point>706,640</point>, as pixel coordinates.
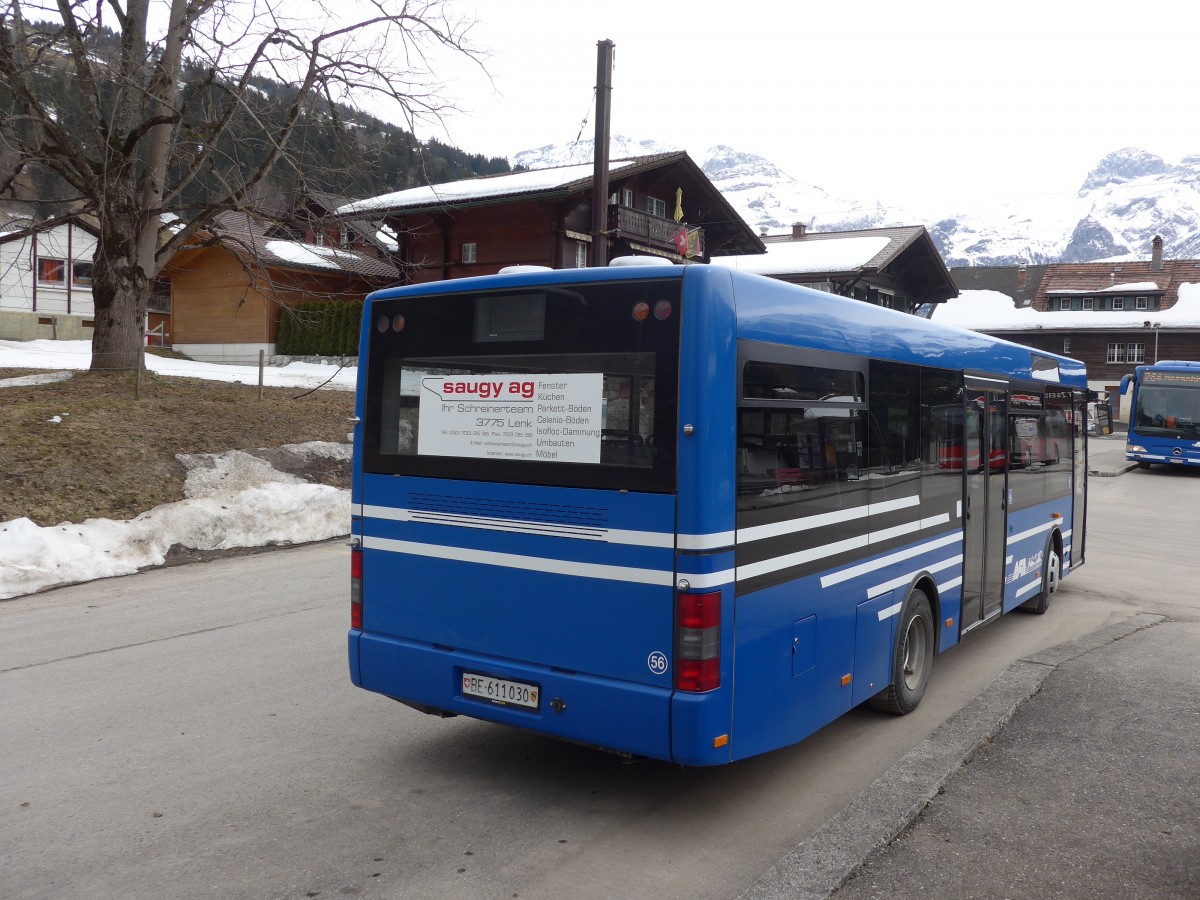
<point>698,642</point>
<point>356,593</point>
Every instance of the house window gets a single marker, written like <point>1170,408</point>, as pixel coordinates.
<point>581,255</point>
<point>343,236</point>
<point>1066,346</point>
<point>656,207</point>
<point>1087,303</point>
<point>51,271</point>
<point>1118,302</point>
<point>627,197</point>
<point>319,239</point>
<point>1126,353</point>
<point>1142,303</point>
<point>468,252</point>
<point>81,274</point>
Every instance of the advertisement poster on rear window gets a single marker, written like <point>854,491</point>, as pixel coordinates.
<point>549,418</point>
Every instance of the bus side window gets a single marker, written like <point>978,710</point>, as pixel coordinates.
<point>798,454</point>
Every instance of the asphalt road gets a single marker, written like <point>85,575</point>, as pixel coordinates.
<point>192,732</point>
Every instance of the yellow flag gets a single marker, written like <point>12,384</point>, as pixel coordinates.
<point>678,204</point>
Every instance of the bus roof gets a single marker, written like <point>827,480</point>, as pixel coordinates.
<point>775,311</point>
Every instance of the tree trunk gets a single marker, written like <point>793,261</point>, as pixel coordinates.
<point>120,291</point>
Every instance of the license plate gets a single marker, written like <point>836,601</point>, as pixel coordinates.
<point>500,691</point>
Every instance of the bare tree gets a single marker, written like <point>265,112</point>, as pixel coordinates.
<point>138,141</point>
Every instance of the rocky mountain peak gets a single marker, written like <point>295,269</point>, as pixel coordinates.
<point>1123,165</point>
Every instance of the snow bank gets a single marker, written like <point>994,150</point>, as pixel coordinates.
<point>235,499</point>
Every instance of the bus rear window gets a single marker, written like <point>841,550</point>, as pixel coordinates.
<point>567,386</point>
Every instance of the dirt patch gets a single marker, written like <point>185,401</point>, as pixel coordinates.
<point>85,448</point>
<point>179,555</point>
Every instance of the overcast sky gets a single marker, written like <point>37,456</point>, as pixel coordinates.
<point>930,101</point>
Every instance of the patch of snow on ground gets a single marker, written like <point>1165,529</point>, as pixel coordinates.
<point>233,500</point>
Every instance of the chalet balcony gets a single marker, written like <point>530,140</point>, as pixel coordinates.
<point>654,231</point>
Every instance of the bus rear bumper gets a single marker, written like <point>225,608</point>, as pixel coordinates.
<point>618,716</point>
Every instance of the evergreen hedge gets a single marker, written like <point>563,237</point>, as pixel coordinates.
<point>320,329</point>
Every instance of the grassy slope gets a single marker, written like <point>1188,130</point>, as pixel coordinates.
<point>113,456</point>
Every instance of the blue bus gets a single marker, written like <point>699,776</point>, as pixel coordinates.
<point>1165,412</point>
<point>689,513</point>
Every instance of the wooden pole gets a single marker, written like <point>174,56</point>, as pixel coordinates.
<point>604,61</point>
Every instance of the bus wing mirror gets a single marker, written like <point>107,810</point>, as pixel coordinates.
<point>1125,380</point>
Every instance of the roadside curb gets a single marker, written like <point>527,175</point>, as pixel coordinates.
<point>817,867</point>
<point>1096,473</point>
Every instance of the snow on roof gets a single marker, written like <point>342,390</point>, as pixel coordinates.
<point>1111,288</point>
<point>833,255</point>
<point>993,311</point>
<point>479,188</point>
<point>309,254</point>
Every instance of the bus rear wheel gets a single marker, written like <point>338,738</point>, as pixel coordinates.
<point>912,659</point>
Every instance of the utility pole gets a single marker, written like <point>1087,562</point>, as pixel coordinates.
<point>604,61</point>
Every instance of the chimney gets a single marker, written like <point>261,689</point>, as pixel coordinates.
<point>798,229</point>
<point>1022,278</point>
<point>1156,253</point>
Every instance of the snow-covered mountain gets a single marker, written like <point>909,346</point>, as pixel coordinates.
<point>1127,199</point>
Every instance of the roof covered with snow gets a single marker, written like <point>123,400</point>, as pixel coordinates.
<point>473,190</point>
<point>1103,278</point>
<point>829,252</point>
<point>817,256</point>
<point>992,311</point>
<point>243,233</point>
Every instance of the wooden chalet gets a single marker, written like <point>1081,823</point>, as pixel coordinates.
<point>898,268</point>
<point>659,205</point>
<point>228,289</point>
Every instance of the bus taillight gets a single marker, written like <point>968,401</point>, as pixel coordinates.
<point>356,559</point>
<point>698,642</point>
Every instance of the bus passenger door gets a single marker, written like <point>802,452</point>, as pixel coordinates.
<point>985,461</point>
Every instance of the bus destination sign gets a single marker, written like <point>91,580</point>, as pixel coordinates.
<point>1166,377</point>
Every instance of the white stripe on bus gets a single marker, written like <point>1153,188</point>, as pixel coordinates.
<point>890,611</point>
<point>884,561</point>
<point>526,526</point>
<point>705,580</point>
<point>529,563</point>
<point>800,557</point>
<point>1045,526</point>
<point>1031,586</point>
<point>714,541</point>
<point>895,607</point>
<point>791,526</point>
<point>902,580</point>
